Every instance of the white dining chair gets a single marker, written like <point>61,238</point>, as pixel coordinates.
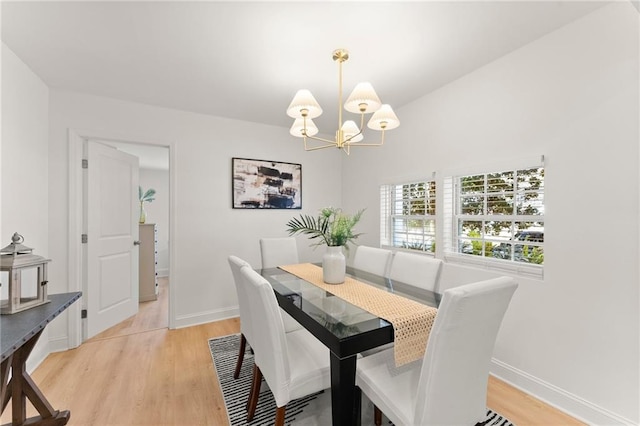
<point>275,252</point>
<point>449,385</point>
<point>246,333</point>
<point>278,251</point>
<point>372,259</point>
<point>293,364</point>
<point>416,270</point>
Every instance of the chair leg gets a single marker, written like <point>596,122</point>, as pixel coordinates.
<point>243,345</point>
<point>280,416</point>
<point>255,392</point>
<point>377,416</point>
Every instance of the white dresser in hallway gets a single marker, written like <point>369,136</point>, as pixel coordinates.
<point>148,261</point>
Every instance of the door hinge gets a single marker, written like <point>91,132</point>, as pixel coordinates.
<point>85,163</point>
<point>83,313</point>
<point>85,238</point>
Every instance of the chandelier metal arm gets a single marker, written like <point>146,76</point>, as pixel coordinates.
<point>361,129</point>
<point>340,61</point>
<point>315,148</point>
<point>368,144</point>
<point>348,140</point>
<point>330,143</point>
<point>346,144</point>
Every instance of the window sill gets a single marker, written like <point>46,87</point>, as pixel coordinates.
<point>513,268</point>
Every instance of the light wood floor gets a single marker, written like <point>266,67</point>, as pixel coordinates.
<point>141,373</point>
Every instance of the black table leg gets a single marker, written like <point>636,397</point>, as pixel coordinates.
<point>344,405</point>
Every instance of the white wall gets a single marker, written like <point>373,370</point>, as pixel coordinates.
<point>572,338</point>
<point>572,95</point>
<point>158,213</point>
<point>207,229</point>
<point>24,192</point>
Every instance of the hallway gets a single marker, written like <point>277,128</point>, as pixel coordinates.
<point>151,315</point>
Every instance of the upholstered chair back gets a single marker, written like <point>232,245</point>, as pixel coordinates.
<point>452,388</point>
<point>416,270</point>
<point>236,265</point>
<point>278,251</point>
<point>372,259</point>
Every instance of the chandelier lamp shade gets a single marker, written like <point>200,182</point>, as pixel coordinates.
<point>363,100</point>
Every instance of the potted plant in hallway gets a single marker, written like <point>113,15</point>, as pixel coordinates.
<point>143,196</point>
<point>334,229</point>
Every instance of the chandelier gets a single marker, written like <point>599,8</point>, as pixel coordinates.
<point>363,100</point>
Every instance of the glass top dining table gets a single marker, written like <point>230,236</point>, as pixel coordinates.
<point>345,329</point>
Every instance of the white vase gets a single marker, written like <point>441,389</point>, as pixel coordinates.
<point>143,214</point>
<point>334,265</point>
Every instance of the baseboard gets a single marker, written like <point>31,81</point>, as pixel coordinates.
<point>564,401</point>
<point>42,350</point>
<point>39,353</point>
<point>58,344</point>
<point>206,317</point>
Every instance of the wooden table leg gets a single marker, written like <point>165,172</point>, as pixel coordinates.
<point>5,392</point>
<point>21,386</point>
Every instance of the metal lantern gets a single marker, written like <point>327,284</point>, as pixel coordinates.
<point>27,277</point>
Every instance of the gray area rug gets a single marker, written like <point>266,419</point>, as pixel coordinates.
<point>313,410</point>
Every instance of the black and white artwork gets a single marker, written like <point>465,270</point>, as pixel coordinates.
<point>262,184</point>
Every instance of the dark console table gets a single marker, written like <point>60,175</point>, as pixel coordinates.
<point>18,335</point>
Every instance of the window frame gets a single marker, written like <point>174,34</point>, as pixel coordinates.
<point>453,217</point>
<point>389,217</point>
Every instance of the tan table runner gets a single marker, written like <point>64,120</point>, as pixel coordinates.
<point>411,320</point>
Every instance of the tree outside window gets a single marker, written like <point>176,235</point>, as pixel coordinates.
<point>501,215</point>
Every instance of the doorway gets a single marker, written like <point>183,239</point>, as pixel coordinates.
<point>148,153</point>
<point>153,308</point>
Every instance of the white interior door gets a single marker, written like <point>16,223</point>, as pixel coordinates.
<point>112,228</point>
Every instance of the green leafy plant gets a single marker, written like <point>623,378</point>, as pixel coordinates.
<point>143,196</point>
<point>332,227</point>
<point>148,196</point>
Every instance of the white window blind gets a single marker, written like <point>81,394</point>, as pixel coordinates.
<point>408,216</point>
<point>496,219</point>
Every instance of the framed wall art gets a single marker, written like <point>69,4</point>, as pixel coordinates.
<point>263,184</point>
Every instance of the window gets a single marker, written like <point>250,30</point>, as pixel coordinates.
<point>497,215</point>
<point>408,216</point>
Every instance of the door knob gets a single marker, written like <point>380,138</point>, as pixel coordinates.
<point>137,243</point>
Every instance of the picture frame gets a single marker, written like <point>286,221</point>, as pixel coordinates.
<point>265,184</point>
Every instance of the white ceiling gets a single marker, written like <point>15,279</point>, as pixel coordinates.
<point>246,60</point>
